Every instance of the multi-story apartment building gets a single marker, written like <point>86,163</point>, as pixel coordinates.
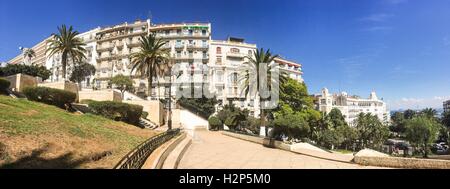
<point>188,44</point>
<point>201,60</point>
<point>39,58</point>
<point>447,106</point>
<point>352,106</point>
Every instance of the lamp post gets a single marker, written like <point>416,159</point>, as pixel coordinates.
<point>169,121</point>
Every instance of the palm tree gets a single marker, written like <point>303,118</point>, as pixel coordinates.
<point>68,44</point>
<point>28,53</point>
<point>429,112</point>
<point>148,58</point>
<point>250,79</point>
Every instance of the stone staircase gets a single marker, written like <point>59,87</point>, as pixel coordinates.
<point>145,123</point>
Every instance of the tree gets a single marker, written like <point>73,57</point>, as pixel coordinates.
<point>371,132</point>
<point>398,122</point>
<point>336,118</point>
<point>32,70</point>
<point>122,83</point>
<point>409,114</point>
<point>446,119</point>
<point>422,131</point>
<point>29,54</point>
<point>81,71</point>
<point>349,135</point>
<point>251,79</point>
<point>295,94</point>
<point>429,113</point>
<point>291,125</point>
<point>68,45</point>
<point>150,55</point>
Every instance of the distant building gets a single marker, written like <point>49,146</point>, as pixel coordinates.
<point>352,106</point>
<point>447,106</point>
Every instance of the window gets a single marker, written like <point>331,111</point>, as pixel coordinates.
<point>219,60</point>
<point>178,31</point>
<point>203,32</point>
<point>250,52</point>
<point>191,32</point>
<point>234,50</point>
<point>205,55</point>
<point>219,50</point>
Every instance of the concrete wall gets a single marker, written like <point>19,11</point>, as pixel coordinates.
<point>63,85</point>
<point>154,108</point>
<point>103,95</point>
<point>21,81</point>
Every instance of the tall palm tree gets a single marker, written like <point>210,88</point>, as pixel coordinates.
<point>68,44</point>
<point>29,54</point>
<point>148,58</point>
<point>250,79</point>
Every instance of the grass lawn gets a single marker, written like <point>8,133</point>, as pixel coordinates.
<point>35,135</point>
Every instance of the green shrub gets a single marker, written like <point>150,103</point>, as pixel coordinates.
<point>118,111</point>
<point>214,123</point>
<point>144,114</point>
<point>50,96</point>
<point>204,107</point>
<point>291,125</point>
<point>4,84</point>
<point>35,71</point>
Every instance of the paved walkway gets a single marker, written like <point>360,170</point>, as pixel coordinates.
<point>212,150</point>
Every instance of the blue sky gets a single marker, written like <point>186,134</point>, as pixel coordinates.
<point>399,48</point>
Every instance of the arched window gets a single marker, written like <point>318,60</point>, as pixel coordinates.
<point>219,50</point>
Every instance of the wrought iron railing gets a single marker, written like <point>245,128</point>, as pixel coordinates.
<point>137,157</point>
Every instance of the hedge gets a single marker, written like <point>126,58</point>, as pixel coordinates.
<point>214,123</point>
<point>144,114</point>
<point>118,111</point>
<point>50,96</point>
<point>35,71</point>
<point>4,84</point>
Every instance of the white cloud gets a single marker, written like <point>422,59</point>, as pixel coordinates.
<point>418,103</point>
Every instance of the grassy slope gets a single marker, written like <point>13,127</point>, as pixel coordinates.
<point>35,135</point>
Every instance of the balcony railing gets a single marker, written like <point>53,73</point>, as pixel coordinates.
<point>235,54</point>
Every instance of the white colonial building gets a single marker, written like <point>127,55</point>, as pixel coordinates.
<point>203,61</point>
<point>352,106</point>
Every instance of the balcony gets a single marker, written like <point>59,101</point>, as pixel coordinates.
<point>236,55</point>
<point>179,46</point>
<point>103,48</point>
<point>200,47</point>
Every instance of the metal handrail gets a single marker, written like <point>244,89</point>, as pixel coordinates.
<point>137,157</point>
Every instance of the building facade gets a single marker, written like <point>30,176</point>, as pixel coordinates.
<point>39,58</point>
<point>352,106</point>
<point>447,106</point>
<point>201,61</point>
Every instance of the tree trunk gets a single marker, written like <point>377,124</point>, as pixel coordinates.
<point>64,63</point>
